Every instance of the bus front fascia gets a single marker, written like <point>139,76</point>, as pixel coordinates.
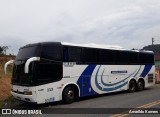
<point>26,67</point>
<point>6,65</point>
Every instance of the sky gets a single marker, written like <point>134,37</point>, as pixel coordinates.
<point>127,23</point>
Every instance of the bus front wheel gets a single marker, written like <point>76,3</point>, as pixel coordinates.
<point>68,95</point>
<point>132,86</point>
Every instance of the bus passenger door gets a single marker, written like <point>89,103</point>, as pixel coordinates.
<point>47,75</point>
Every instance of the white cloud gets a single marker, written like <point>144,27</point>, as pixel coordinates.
<point>119,22</point>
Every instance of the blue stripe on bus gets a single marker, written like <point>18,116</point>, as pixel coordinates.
<point>84,81</point>
<point>146,69</point>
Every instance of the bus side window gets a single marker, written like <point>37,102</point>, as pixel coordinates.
<point>150,59</point>
<point>65,54</point>
<point>71,54</point>
<point>51,52</point>
<point>89,56</point>
<point>122,57</point>
<point>146,58</point>
<point>133,58</point>
<point>74,54</point>
<point>106,57</point>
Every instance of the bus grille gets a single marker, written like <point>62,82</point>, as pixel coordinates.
<point>150,78</point>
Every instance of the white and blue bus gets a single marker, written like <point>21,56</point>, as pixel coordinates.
<point>53,71</point>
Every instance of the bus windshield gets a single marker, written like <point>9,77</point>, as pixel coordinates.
<point>18,76</point>
<point>27,52</point>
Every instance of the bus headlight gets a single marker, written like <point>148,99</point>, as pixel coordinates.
<point>27,92</point>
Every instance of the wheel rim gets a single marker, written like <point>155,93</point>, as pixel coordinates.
<point>132,87</point>
<point>70,94</point>
<point>140,85</point>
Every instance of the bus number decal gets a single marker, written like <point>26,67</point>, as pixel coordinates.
<point>49,89</point>
<point>69,64</point>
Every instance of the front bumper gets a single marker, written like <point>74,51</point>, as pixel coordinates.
<point>22,97</point>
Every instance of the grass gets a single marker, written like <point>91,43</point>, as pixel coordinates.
<point>5,80</point>
<point>5,86</point>
<point>6,101</point>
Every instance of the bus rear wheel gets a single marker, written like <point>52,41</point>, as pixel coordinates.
<point>140,85</point>
<point>68,95</point>
<point>132,86</point>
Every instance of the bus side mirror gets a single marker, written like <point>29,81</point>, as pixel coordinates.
<point>26,67</point>
<point>6,65</point>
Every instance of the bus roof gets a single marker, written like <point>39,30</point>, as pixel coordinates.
<point>93,45</point>
<point>90,45</point>
<point>102,46</point>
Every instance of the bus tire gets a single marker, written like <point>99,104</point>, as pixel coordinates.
<point>132,86</point>
<point>140,85</point>
<point>68,95</point>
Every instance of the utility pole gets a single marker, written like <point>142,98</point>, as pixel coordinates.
<point>152,41</point>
